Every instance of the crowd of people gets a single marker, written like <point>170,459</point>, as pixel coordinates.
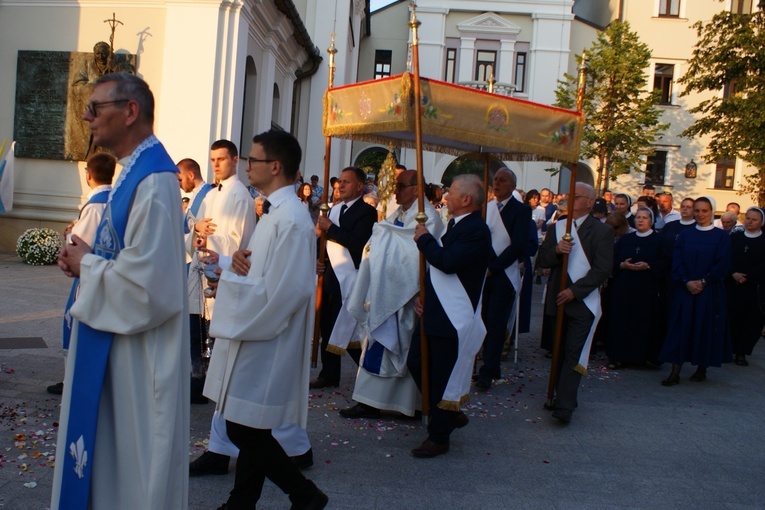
<point>232,277</point>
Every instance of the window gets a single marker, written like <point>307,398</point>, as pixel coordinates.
<point>741,7</point>
<point>485,65</point>
<point>655,168</point>
<point>451,64</point>
<point>519,76</point>
<point>669,8</point>
<point>725,170</point>
<point>662,81</point>
<point>729,89</point>
<point>382,63</point>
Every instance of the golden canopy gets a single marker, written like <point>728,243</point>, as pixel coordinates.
<point>455,120</point>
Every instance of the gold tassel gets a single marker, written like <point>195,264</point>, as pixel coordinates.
<point>582,370</point>
<point>335,349</point>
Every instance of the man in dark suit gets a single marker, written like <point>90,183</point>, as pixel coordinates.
<point>348,226</point>
<point>581,308</point>
<point>499,291</point>
<point>452,340</point>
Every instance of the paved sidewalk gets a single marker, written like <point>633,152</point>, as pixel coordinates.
<point>632,443</point>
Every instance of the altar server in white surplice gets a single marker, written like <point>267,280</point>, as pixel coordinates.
<point>125,409</point>
<point>225,222</point>
<point>259,369</point>
<point>382,302</point>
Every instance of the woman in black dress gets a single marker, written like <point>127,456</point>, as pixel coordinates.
<point>745,285</point>
<point>635,308</point>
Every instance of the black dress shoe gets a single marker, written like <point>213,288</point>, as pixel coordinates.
<point>483,383</point>
<point>322,383</point>
<point>429,449</point>
<point>198,398</point>
<point>303,461</point>
<point>461,420</point>
<point>209,463</point>
<point>56,389</point>
<point>562,415</point>
<point>316,501</point>
<point>740,361</point>
<point>671,380</point>
<point>360,411</point>
<point>700,375</point>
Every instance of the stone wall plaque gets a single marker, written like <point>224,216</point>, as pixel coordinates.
<point>52,89</point>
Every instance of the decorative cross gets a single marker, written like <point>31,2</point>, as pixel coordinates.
<point>113,23</point>
<point>637,250</point>
<point>746,248</point>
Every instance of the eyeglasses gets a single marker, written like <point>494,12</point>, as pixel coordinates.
<point>402,186</point>
<point>92,107</point>
<point>251,161</point>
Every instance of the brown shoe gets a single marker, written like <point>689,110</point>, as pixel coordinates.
<point>461,420</point>
<point>430,449</point>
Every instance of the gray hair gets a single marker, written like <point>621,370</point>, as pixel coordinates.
<point>472,186</point>
<point>130,86</point>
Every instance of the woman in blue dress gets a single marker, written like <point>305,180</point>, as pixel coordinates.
<point>698,321</point>
<point>638,276</point>
<point>745,285</point>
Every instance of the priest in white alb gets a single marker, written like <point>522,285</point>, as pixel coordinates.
<point>124,427</point>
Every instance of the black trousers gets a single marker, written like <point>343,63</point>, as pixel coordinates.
<point>261,457</point>
<point>498,296</point>
<point>330,362</point>
<point>442,355</point>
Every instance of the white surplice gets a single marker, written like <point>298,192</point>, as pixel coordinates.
<point>382,302</point>
<point>263,322</point>
<point>142,439</point>
<point>90,217</point>
<point>233,214</point>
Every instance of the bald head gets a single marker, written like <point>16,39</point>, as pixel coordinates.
<point>406,188</point>
<point>728,221</point>
<point>504,184</point>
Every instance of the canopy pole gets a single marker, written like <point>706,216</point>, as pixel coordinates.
<point>421,217</point>
<point>323,211</point>
<point>564,263</point>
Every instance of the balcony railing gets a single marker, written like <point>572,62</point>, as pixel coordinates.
<point>504,89</point>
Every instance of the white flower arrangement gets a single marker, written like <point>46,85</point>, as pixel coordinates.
<point>39,246</point>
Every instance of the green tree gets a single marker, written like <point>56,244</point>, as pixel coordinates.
<point>730,56</point>
<point>622,120</point>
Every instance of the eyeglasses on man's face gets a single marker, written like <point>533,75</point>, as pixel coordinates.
<point>92,107</point>
<point>252,161</point>
<point>404,186</point>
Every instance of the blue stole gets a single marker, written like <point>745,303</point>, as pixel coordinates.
<point>192,211</point>
<point>194,206</point>
<point>99,198</point>
<point>93,346</point>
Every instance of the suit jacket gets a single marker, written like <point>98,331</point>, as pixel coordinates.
<point>515,216</point>
<point>465,252</point>
<point>597,240</point>
<point>353,233</point>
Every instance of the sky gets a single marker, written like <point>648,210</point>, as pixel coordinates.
<point>376,4</point>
